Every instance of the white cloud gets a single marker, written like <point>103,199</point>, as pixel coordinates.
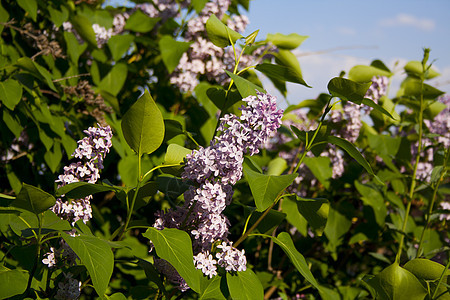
<point>403,19</point>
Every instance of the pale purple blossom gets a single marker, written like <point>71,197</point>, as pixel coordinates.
<point>214,169</point>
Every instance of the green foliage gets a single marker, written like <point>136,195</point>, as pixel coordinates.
<point>96,255</point>
<point>33,199</point>
<point>143,125</point>
<point>220,34</point>
<point>380,218</point>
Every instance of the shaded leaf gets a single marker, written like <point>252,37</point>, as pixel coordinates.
<point>119,45</point>
<point>211,288</point>
<point>83,26</point>
<point>171,51</point>
<point>347,89</point>
<point>315,211</point>
<point>10,93</point>
<point>140,22</point>
<point>78,190</point>
<point>284,240</point>
<point>33,199</point>
<point>115,79</point>
<point>30,6</point>
<point>280,72</point>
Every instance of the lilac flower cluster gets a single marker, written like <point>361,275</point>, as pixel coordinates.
<point>91,151</point>
<point>214,170</point>
<point>378,88</point>
<point>204,59</point>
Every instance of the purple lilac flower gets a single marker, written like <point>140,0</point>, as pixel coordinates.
<point>214,170</point>
<point>91,151</point>
<point>377,90</point>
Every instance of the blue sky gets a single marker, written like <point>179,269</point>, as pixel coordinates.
<point>393,31</point>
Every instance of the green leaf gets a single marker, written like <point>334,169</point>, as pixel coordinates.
<point>320,166</point>
<point>266,188</point>
<point>83,26</point>
<point>337,225</point>
<point>414,68</point>
<point>58,16</point>
<point>53,158</point>
<point>37,71</point>
<point>10,93</point>
<point>175,246</point>
<point>211,288</point>
<point>245,285</point>
<point>74,49</point>
<point>153,275</point>
<point>280,72</point>
<point>347,89</point>
<point>119,45</point>
<point>363,74</point>
<point>33,199</point>
<point>374,199</point>
<point>4,16</point>
<point>315,211</point>
<point>284,240</point>
<point>290,41</point>
<point>115,79</point>
<point>250,39</point>
<point>54,222</point>
<point>78,190</point>
<point>271,220</point>
<point>175,154</point>
<point>353,152</point>
<point>117,296</point>
<point>198,5</point>
<point>245,87</point>
<point>96,255</point>
<point>12,282</point>
<point>140,22</point>
<point>412,87</point>
<point>30,6</point>
<point>394,282</point>
<point>219,33</point>
<point>276,166</point>
<point>143,125</point>
<point>425,269</point>
<point>171,51</point>
<point>375,106</point>
<point>293,215</point>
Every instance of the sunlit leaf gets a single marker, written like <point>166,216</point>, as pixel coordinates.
<point>175,246</point>
<point>290,41</point>
<point>266,188</point>
<point>96,255</point>
<point>220,34</point>
<point>245,285</point>
<point>143,125</point>
<point>245,87</point>
<point>12,282</point>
